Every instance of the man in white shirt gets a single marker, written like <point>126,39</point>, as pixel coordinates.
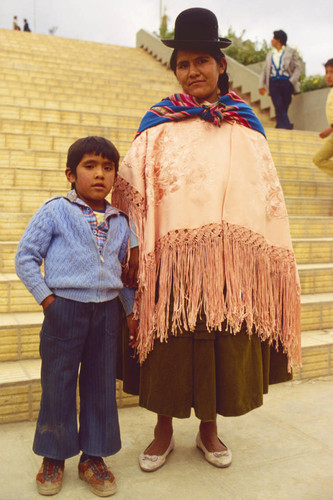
<point>280,77</point>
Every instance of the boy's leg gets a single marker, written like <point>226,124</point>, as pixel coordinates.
<point>322,158</point>
<point>99,428</point>
<point>62,339</point>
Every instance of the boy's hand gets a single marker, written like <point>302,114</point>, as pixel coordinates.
<point>47,302</point>
<point>130,274</point>
<point>325,133</point>
<point>133,325</point>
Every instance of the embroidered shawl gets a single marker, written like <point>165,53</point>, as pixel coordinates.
<point>213,233</point>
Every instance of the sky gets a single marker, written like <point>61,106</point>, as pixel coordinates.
<point>308,23</point>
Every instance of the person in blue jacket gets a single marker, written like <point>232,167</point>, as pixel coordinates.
<point>83,242</point>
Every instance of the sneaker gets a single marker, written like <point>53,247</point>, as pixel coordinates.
<point>49,477</point>
<point>100,479</point>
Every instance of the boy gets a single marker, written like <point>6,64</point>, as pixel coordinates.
<point>83,241</point>
<point>323,157</point>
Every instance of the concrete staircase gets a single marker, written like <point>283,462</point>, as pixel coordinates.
<point>54,91</point>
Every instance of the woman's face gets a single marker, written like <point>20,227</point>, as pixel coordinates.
<point>198,74</point>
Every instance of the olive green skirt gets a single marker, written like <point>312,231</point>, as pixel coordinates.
<point>212,372</point>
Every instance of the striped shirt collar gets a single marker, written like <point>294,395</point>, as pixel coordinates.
<point>109,209</point>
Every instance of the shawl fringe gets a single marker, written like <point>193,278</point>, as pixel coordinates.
<point>227,271</point>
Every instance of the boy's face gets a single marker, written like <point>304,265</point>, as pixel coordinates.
<point>94,179</point>
<point>329,75</point>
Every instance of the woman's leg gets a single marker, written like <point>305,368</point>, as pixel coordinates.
<point>209,437</point>
<point>162,436</point>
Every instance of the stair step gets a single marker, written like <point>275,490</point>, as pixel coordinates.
<point>317,311</point>
<point>51,143</point>
<point>7,256</point>
<point>20,390</point>
<point>305,188</point>
<point>316,278</point>
<point>304,173</point>
<point>26,200</point>
<point>306,206</point>
<point>290,158</point>
<point>313,250</point>
<point>70,117</point>
<point>19,335</point>
<point>317,354</point>
<point>13,126</point>
<point>291,135</point>
<point>14,295</point>
<point>311,227</point>
<point>76,105</point>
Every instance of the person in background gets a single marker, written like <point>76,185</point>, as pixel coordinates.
<point>218,291</point>
<point>26,26</point>
<point>323,157</point>
<point>280,77</point>
<point>83,242</point>
<point>15,25</point>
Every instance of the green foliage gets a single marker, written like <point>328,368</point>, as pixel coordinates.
<point>245,51</point>
<point>163,31</point>
<point>312,82</point>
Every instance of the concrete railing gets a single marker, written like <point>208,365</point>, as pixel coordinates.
<point>306,112</point>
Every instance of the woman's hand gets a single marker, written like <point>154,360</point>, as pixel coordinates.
<point>133,325</point>
<point>130,274</point>
<point>47,302</point>
<point>262,91</point>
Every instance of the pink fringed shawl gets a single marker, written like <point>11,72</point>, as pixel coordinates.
<point>213,230</point>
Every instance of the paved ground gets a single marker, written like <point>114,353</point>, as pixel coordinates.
<point>282,451</point>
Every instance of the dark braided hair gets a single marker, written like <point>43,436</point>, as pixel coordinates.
<point>217,54</point>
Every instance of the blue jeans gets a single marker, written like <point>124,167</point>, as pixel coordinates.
<point>75,333</point>
<point>281,92</point>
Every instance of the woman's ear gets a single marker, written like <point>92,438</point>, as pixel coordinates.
<point>222,65</point>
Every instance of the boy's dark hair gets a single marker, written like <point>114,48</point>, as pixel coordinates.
<point>217,54</point>
<point>329,62</point>
<point>281,35</point>
<point>91,145</point>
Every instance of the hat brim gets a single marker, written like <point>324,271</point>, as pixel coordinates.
<point>197,44</point>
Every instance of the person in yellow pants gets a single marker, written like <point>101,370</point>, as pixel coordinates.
<point>324,157</point>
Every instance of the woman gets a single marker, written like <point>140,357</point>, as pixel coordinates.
<point>217,280</point>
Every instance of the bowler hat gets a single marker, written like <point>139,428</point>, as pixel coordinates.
<point>196,29</point>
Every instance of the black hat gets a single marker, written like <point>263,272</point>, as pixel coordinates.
<point>196,29</point>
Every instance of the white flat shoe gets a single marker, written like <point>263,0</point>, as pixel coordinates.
<point>150,463</point>
<point>217,458</point>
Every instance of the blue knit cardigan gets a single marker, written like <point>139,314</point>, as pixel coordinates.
<point>60,235</point>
